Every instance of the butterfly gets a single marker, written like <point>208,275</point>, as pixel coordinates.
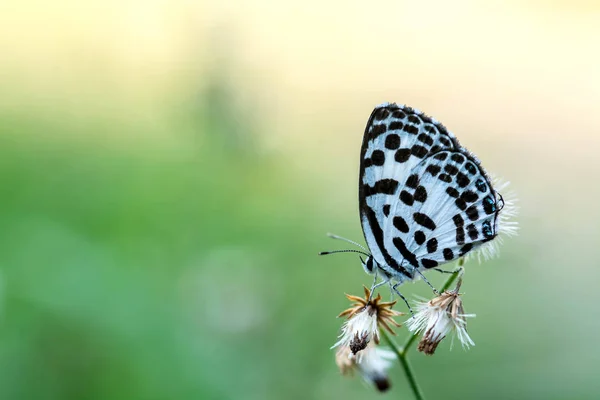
<point>424,200</point>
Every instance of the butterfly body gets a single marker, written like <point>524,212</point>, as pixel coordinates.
<point>424,200</point>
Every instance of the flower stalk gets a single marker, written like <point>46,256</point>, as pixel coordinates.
<point>401,352</point>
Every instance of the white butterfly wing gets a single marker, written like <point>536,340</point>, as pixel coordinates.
<point>414,178</point>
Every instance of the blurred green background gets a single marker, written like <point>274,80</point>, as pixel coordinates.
<point>169,171</point>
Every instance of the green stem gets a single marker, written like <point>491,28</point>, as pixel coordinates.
<point>401,352</point>
<point>409,342</point>
<point>451,279</point>
<point>410,375</point>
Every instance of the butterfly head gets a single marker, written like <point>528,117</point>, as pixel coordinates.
<point>368,264</point>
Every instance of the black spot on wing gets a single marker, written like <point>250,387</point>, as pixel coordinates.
<point>400,224</point>
<point>424,220</point>
<point>433,169</point>
<point>418,151</point>
<point>402,155</point>
<point>460,235</point>
<point>432,245</point>
<point>430,129</point>
<point>445,178</point>
<point>448,254</point>
<point>469,196</point>
<point>398,114</point>
<point>427,263</point>
<point>413,119</point>
<point>457,158</point>
<point>471,169</point>
<point>460,232</point>
<point>407,198</point>
<point>488,205</point>
<point>480,185</point>
<point>380,114</point>
<point>458,220</point>
<point>386,210</point>
<point>378,158</point>
<point>392,141</point>
<point>452,192</point>
<point>462,180</point>
<point>419,237</point>
<point>384,186</point>
<point>460,203</point>
<point>412,181</point>
<point>411,129</point>
<point>446,142</point>
<point>396,126</point>
<point>425,139</point>
<point>410,257</point>
<point>420,194</point>
<point>472,213</point>
<point>451,169</point>
<point>486,229</point>
<point>472,231</point>
<point>377,130</point>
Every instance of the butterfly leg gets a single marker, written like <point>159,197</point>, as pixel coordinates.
<point>429,283</point>
<point>376,285</point>
<point>444,271</point>
<point>374,280</point>
<point>401,296</point>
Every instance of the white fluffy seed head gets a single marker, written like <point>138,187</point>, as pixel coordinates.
<point>359,330</point>
<point>437,318</point>
<point>372,364</point>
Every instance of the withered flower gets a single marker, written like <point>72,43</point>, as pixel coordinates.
<point>364,318</point>
<point>437,318</point>
<point>372,364</point>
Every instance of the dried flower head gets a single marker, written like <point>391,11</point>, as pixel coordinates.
<point>372,364</point>
<point>437,318</point>
<point>364,317</point>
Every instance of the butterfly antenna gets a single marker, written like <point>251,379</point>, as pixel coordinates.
<point>324,253</point>
<point>331,235</point>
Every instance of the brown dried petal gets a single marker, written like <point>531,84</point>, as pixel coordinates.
<point>387,327</point>
<point>356,298</point>
<point>358,343</point>
<point>427,347</point>
<point>367,292</point>
<point>345,312</point>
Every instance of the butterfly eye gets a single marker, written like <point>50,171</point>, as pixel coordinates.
<point>368,265</point>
